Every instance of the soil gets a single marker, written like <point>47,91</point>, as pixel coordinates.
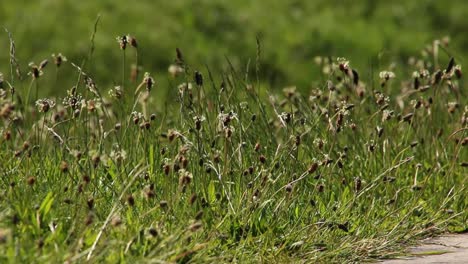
<point>444,249</point>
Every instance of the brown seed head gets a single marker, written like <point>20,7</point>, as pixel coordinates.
<point>64,167</point>
<point>31,180</point>
<point>130,200</point>
<point>257,147</point>
<point>90,203</point>
<point>7,135</point>
<point>195,226</point>
<point>312,168</point>
<point>199,215</point>
<point>116,221</point>
<point>123,41</point>
<point>357,184</point>
<point>193,199</point>
<point>320,188</point>
<point>153,232</point>
<point>89,219</point>
<point>26,145</point>
<point>86,179</point>
<point>166,169</point>
<point>163,204</point>
<point>133,41</point>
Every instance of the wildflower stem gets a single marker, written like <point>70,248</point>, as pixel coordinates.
<point>123,70</point>
<point>28,94</point>
<point>136,63</point>
<point>56,75</point>
<point>37,91</point>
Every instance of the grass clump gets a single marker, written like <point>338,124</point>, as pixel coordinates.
<point>351,169</point>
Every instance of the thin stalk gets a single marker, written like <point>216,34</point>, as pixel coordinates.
<point>26,104</point>
<point>123,70</point>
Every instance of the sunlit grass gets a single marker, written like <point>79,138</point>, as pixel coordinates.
<point>227,171</point>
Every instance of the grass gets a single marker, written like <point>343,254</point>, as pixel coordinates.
<point>351,170</point>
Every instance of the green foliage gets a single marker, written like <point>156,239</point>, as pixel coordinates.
<point>214,163</point>
<point>292,33</point>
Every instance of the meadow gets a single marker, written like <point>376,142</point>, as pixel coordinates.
<point>199,164</point>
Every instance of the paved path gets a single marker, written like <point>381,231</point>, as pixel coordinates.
<point>445,249</point>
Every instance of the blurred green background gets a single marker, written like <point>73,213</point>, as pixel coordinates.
<point>292,33</point>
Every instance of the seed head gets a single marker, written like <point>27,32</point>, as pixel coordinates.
<point>89,219</point>
<point>7,135</point>
<point>379,131</point>
<point>195,226</point>
<point>26,145</point>
<point>34,70</point>
<point>132,41</point>
<point>90,203</point>
<point>257,147</point>
<point>145,125</point>
<point>416,83</point>
<point>320,188</point>
<point>464,141</point>
<point>193,199</point>
<point>180,57</point>
<point>149,81</point>
<point>298,140</point>
<point>116,221</point>
<point>386,75</point>
<point>86,179</point>
<point>198,78</point>
<point>407,117</point>
<point>199,215</point>
<point>227,132</point>
<point>123,41</point>
<point>312,168</point>
<point>331,87</point>
<point>59,59</point>
<point>153,232</point>
<point>166,169</point>
<point>130,200</point>
<point>40,243</point>
<point>64,167</point>
<point>253,117</point>
<point>175,70</point>
<point>44,105</point>
<point>163,204</point>
<point>437,77</point>
<point>355,77</point>
<point>458,71</point>
<point>96,159</point>
<point>450,65</point>
<point>31,180</point>
<point>43,64</point>
<point>343,65</point>
<point>183,161</point>
<point>357,184</point>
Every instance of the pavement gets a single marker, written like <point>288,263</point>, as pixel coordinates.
<point>444,249</point>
